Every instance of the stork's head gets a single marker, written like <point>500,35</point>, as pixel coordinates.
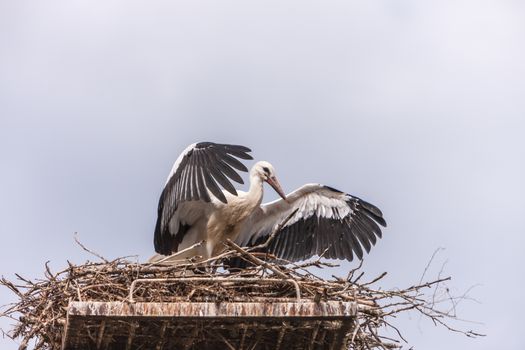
<point>266,172</point>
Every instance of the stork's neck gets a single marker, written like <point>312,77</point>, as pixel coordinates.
<point>255,193</point>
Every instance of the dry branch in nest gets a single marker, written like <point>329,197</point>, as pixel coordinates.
<point>40,313</point>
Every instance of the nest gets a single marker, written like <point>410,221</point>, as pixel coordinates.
<point>41,312</point>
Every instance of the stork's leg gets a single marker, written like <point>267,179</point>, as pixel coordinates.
<point>210,245</point>
<point>211,251</point>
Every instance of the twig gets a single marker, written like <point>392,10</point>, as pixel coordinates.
<point>88,250</point>
<point>253,259</point>
<point>430,263</point>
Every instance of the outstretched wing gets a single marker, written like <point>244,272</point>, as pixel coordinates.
<point>202,167</point>
<point>326,222</point>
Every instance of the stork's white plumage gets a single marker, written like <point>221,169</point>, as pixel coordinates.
<point>193,208</point>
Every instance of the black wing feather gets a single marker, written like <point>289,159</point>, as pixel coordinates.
<point>363,228</point>
<point>228,171</point>
<point>213,187</point>
<point>361,236</point>
<point>233,162</point>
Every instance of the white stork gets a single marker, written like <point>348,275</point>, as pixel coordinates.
<point>193,208</point>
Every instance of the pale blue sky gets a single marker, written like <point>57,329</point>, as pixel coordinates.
<point>415,106</point>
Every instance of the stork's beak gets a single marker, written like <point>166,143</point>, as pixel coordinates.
<point>272,181</point>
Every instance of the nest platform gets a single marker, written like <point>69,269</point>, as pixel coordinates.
<point>226,325</point>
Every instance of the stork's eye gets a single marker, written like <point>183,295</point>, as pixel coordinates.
<point>266,170</point>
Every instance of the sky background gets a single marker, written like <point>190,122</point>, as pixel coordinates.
<point>416,106</point>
